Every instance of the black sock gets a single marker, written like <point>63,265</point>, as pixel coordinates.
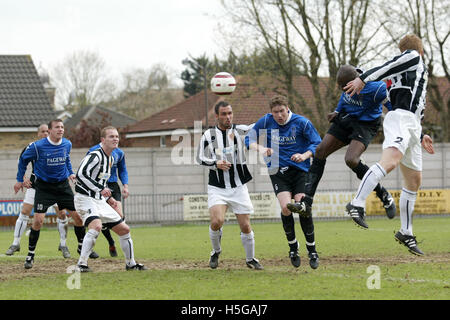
<point>32,241</point>
<point>313,178</point>
<point>308,230</point>
<point>80,232</point>
<point>108,236</point>
<point>360,171</point>
<point>289,230</point>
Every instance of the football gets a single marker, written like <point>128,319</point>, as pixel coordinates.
<point>223,83</point>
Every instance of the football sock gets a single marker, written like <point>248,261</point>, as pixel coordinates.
<point>308,230</point>
<point>215,237</point>
<point>289,230</point>
<point>360,171</point>
<point>80,232</point>
<point>20,227</point>
<point>108,236</point>
<point>407,201</point>
<point>127,247</point>
<point>32,241</point>
<point>248,241</point>
<point>88,244</point>
<point>372,177</point>
<point>62,228</point>
<point>313,178</point>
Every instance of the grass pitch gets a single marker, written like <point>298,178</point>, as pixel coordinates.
<point>355,264</point>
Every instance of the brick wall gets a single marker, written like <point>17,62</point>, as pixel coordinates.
<point>15,140</point>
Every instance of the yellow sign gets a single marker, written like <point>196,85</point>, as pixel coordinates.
<point>195,207</point>
<point>326,204</point>
<point>429,201</point>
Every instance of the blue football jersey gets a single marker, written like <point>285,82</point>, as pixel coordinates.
<point>298,135</point>
<point>367,105</point>
<point>51,161</point>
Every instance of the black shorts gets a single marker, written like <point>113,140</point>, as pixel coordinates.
<point>289,179</point>
<point>47,194</point>
<point>115,190</point>
<point>346,128</point>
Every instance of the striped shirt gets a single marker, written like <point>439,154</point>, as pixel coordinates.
<point>93,173</point>
<point>409,77</point>
<point>217,144</point>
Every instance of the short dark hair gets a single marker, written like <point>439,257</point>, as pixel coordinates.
<point>345,74</point>
<point>54,120</point>
<point>219,105</point>
<point>278,100</point>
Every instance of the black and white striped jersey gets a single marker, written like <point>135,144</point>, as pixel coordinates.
<point>409,77</point>
<point>93,173</point>
<point>217,144</point>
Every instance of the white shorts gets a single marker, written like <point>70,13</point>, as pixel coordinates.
<point>29,196</point>
<point>89,207</point>
<point>237,199</point>
<point>402,130</point>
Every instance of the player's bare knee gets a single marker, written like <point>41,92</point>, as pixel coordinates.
<point>246,228</point>
<point>216,223</point>
<point>95,225</point>
<point>121,229</point>
<point>38,221</point>
<point>285,211</point>
<point>351,161</point>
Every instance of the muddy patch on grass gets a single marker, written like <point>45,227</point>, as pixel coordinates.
<point>14,270</point>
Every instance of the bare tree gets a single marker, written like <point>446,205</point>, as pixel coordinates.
<point>428,20</point>
<point>81,79</point>
<point>146,91</point>
<point>310,38</point>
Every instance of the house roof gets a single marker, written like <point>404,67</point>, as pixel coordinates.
<point>250,102</point>
<point>23,100</point>
<point>95,115</point>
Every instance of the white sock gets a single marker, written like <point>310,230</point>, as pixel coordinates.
<point>215,237</point>
<point>248,241</point>
<point>127,247</point>
<point>62,228</point>
<point>20,227</point>
<point>407,201</point>
<point>370,180</point>
<point>88,245</point>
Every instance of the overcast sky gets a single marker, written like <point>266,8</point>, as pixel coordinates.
<point>126,34</point>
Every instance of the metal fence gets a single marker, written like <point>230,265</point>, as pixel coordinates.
<point>168,208</point>
<point>153,208</point>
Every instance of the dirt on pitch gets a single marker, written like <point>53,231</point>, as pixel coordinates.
<point>14,269</point>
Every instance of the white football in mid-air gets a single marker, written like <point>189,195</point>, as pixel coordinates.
<point>223,83</point>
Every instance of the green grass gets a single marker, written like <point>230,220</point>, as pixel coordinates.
<point>178,260</point>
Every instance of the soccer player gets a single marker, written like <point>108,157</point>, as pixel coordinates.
<point>291,140</point>
<point>27,207</point>
<point>95,204</point>
<point>221,149</point>
<point>53,169</point>
<point>355,122</point>
<point>402,131</point>
<point>119,169</point>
